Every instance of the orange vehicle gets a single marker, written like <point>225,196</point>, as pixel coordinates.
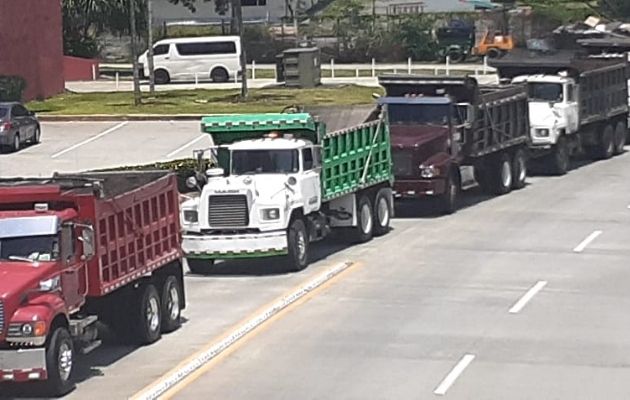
<point>494,45</point>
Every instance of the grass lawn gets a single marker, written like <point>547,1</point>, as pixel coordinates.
<point>202,101</point>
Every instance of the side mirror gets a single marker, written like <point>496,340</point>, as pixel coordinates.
<point>215,172</point>
<point>191,183</point>
<point>87,239</point>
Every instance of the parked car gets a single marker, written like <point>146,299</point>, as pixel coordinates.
<point>17,126</point>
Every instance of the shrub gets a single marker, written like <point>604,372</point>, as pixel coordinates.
<point>11,88</point>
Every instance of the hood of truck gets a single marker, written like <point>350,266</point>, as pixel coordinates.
<point>412,145</point>
<point>544,115</point>
<point>16,277</point>
<point>258,186</point>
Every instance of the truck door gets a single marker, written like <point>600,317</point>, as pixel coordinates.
<point>573,119</point>
<point>311,186</point>
<point>72,269</point>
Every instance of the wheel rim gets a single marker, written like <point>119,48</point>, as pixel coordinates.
<point>16,142</point>
<point>366,218</point>
<point>506,174</point>
<point>301,245</point>
<point>36,135</point>
<point>383,212</point>
<point>173,302</point>
<point>65,361</point>
<point>563,158</point>
<point>152,314</point>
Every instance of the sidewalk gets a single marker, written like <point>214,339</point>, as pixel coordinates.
<point>105,86</point>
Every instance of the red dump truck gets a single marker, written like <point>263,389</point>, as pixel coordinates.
<point>77,249</point>
<point>447,132</point>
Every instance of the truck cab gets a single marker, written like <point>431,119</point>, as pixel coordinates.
<point>43,258</point>
<point>260,185</point>
<point>553,107</point>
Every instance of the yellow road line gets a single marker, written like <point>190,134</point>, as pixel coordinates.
<point>201,361</point>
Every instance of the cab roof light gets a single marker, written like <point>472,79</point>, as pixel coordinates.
<point>41,207</point>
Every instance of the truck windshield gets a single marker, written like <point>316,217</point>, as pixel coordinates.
<point>264,162</point>
<point>33,248</point>
<point>551,92</point>
<point>418,114</point>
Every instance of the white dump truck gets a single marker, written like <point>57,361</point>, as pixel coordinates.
<point>284,182</point>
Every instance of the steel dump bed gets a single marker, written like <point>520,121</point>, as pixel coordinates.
<point>135,215</point>
<point>353,158</point>
<point>603,82</point>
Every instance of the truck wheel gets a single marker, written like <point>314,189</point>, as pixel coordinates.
<point>171,308</point>
<point>382,212</point>
<point>297,239</point>
<point>449,200</point>
<point>621,135</point>
<point>559,161</point>
<point>519,169</point>
<point>365,221</point>
<point>494,53</point>
<point>455,56</point>
<point>200,266</point>
<point>59,363</point>
<point>501,175</point>
<point>607,143</point>
<point>147,315</point>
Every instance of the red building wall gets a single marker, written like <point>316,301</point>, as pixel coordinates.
<point>31,45</point>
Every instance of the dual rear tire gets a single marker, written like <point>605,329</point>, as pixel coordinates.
<point>504,173</point>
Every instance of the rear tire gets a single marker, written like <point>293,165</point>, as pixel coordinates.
<point>606,146</point>
<point>449,200</point>
<point>519,169</point>
<point>364,230</point>
<point>16,145</point>
<point>59,363</point>
<point>559,161</point>
<point>36,136</point>
<point>219,75</point>
<point>162,77</point>
<point>500,175</point>
<point>494,53</point>
<point>171,304</point>
<point>455,56</point>
<point>200,266</point>
<point>382,212</point>
<point>621,135</point>
<point>298,244</point>
<point>146,315</point>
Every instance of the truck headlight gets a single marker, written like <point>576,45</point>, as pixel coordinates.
<point>542,132</point>
<point>26,330</point>
<point>270,214</point>
<point>429,172</point>
<point>191,216</point>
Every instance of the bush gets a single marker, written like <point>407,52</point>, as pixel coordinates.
<point>11,88</point>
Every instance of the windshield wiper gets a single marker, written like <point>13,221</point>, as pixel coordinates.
<point>18,258</point>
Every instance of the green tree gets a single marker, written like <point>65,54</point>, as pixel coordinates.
<point>85,20</point>
<point>415,34</point>
<point>222,6</point>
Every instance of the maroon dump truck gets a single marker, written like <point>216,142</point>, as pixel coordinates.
<point>447,132</point>
<point>77,249</point>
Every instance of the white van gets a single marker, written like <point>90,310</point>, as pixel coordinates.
<point>213,57</point>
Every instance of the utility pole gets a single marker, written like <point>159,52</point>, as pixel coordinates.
<point>150,53</point>
<point>137,96</point>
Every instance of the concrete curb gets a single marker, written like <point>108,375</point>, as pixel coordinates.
<point>121,117</point>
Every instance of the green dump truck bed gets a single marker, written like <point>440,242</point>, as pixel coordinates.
<point>353,158</point>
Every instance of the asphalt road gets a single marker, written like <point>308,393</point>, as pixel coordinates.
<point>78,146</point>
<point>514,297</point>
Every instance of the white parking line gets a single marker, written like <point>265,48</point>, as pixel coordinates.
<point>580,247</point>
<point>527,297</point>
<point>204,356</point>
<point>177,150</point>
<point>454,374</point>
<point>93,138</point>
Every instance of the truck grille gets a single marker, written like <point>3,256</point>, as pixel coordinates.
<point>1,317</point>
<point>228,211</point>
<point>403,163</point>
